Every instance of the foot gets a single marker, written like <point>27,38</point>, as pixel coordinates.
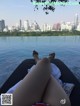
<point>35,52</point>
<point>51,56</point>
<point>35,55</point>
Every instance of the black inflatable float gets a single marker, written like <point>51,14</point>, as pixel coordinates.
<point>67,76</point>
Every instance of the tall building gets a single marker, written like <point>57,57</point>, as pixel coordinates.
<point>49,27</point>
<point>63,26</point>
<point>32,27</point>
<point>66,26</point>
<point>45,27</point>
<point>57,27</point>
<point>2,25</point>
<point>26,25</point>
<point>37,27</point>
<point>76,20</point>
<point>20,24</point>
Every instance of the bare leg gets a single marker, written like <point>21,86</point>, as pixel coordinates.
<point>32,87</point>
<point>36,56</point>
<point>55,93</point>
<point>51,56</point>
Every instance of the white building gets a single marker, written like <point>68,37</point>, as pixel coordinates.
<point>66,26</point>
<point>78,27</point>
<point>49,28</point>
<point>26,25</point>
<point>12,29</point>
<point>2,25</point>
<point>35,26</point>
<point>17,26</point>
<point>63,26</point>
<point>76,21</point>
<point>32,27</point>
<point>45,27</point>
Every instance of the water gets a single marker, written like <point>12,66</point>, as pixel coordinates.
<point>13,50</point>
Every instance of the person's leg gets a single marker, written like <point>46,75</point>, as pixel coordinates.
<point>55,95</point>
<point>51,56</point>
<point>36,56</point>
<point>32,87</point>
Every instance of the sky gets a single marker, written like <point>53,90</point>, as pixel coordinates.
<point>14,10</point>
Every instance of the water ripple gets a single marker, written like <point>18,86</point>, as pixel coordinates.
<point>13,50</point>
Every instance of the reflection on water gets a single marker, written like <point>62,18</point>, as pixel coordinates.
<point>13,50</point>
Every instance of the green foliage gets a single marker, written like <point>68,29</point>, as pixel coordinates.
<point>47,33</point>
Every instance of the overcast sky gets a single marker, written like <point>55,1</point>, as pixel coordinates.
<point>14,10</point>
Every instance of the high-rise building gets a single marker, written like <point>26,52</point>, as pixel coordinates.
<point>2,25</point>
<point>49,27</point>
<point>26,25</point>
<point>32,27</point>
<point>63,26</point>
<point>66,26</point>
<point>37,27</point>
<point>76,21</point>
<point>57,27</point>
<point>45,27</point>
<point>20,24</point>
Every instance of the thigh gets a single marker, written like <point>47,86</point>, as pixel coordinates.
<point>55,95</point>
<point>32,87</point>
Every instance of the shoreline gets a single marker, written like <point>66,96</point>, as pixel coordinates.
<point>47,33</point>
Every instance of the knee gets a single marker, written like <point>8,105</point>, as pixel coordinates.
<point>45,60</point>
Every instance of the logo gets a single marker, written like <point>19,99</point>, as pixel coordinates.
<point>63,101</point>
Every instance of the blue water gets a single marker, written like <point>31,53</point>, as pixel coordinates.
<point>13,50</point>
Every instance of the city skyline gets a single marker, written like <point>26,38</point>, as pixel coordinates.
<point>26,26</point>
<point>14,10</point>
<point>20,21</point>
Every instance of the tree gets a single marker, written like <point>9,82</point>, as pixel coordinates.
<point>50,4</point>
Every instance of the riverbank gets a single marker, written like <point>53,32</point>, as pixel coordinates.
<point>47,33</point>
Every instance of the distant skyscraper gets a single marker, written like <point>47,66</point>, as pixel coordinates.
<point>20,24</point>
<point>26,25</point>
<point>32,27</point>
<point>37,27</point>
<point>76,21</point>
<point>2,25</point>
<point>45,27</point>
<point>57,27</point>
